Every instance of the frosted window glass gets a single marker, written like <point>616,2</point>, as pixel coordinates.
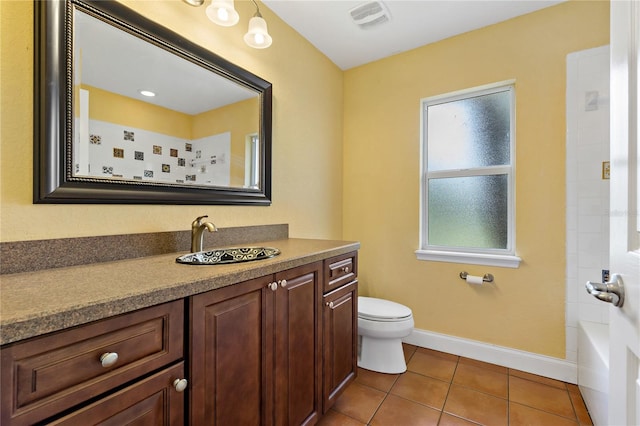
<point>469,212</point>
<point>471,132</point>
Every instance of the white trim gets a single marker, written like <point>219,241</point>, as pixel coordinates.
<point>529,362</point>
<point>426,251</point>
<point>505,261</point>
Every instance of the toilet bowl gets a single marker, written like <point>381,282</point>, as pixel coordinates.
<point>381,326</point>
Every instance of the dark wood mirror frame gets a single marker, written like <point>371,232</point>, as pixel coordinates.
<point>53,113</point>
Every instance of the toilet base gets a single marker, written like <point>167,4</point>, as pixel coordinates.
<point>381,355</point>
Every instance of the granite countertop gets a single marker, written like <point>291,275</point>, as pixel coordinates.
<point>35,303</point>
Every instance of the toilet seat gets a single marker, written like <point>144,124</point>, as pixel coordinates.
<point>374,309</point>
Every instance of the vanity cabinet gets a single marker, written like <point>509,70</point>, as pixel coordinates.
<point>275,350</point>
<point>255,349</point>
<point>48,375</point>
<point>340,326</point>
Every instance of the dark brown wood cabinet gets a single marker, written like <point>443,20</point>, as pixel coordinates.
<point>276,351</point>
<point>340,326</point>
<point>255,350</point>
<point>150,401</point>
<point>44,376</point>
<point>340,342</point>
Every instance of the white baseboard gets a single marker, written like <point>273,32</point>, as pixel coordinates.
<point>529,362</point>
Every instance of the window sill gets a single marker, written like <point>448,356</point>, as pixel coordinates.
<point>470,258</point>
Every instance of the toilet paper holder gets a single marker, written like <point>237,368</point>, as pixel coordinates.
<point>487,278</point>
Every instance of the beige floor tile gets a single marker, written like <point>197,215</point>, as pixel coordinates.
<point>450,357</point>
<point>535,378</point>
<point>421,389</point>
<point>359,402</point>
<point>481,379</point>
<point>432,365</point>
<point>333,418</point>
<point>476,406</point>
<point>481,364</point>
<point>408,350</point>
<point>376,380</point>
<point>580,408</point>
<point>401,412</point>
<point>542,397</point>
<point>521,415</point>
<point>449,420</point>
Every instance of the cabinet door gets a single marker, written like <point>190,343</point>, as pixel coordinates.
<point>49,374</point>
<point>340,341</point>
<point>231,346</point>
<point>298,339</point>
<point>152,401</point>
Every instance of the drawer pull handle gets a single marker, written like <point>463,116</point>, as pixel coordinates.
<point>108,359</point>
<point>345,269</point>
<point>330,305</point>
<point>283,283</point>
<point>180,384</point>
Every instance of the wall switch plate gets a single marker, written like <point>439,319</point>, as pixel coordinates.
<point>605,275</point>
<point>606,170</point>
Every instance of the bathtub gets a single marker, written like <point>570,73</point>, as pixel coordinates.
<point>593,369</point>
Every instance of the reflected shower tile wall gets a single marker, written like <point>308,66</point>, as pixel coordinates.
<point>118,151</point>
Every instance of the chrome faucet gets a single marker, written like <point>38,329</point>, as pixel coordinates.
<point>197,232</point>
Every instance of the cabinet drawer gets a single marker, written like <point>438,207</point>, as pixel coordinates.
<point>152,401</point>
<point>48,374</point>
<point>340,270</point>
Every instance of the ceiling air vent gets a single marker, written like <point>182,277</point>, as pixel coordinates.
<point>370,14</point>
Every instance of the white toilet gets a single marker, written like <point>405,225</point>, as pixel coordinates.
<point>381,326</point>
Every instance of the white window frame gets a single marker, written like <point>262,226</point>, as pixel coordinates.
<point>477,256</point>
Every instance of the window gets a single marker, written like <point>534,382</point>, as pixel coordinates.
<point>467,188</point>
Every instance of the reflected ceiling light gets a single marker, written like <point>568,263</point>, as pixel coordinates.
<point>148,93</point>
<point>258,37</point>
<point>222,12</point>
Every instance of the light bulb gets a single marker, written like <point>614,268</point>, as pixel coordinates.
<point>258,37</point>
<point>222,12</point>
<point>223,15</point>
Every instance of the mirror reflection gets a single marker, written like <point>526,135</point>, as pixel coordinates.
<point>144,114</point>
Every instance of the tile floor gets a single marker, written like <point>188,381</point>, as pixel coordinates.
<point>444,389</point>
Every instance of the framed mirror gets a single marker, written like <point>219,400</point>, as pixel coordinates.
<point>128,112</point>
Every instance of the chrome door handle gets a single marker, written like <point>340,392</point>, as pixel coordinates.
<point>610,292</point>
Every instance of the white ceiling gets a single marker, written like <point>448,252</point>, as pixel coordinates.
<point>328,26</point>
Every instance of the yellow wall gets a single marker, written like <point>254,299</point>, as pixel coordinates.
<point>525,307</point>
<point>241,119</point>
<point>117,109</point>
<point>307,134</point>
<point>379,106</point>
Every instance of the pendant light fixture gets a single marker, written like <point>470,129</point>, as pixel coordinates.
<point>258,37</point>
<point>223,12</point>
